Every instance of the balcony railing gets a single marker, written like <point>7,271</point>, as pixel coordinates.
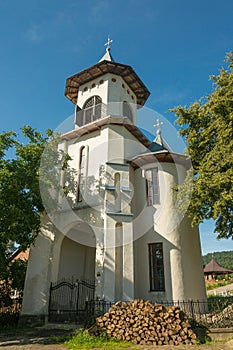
<point>90,114</point>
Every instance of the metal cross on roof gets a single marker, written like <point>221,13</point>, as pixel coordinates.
<point>158,125</point>
<point>108,43</point>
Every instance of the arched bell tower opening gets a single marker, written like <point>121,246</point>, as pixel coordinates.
<point>92,110</point>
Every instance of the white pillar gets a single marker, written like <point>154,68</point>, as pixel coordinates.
<point>37,282</point>
<point>128,262</point>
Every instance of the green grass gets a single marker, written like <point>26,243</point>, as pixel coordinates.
<point>82,340</point>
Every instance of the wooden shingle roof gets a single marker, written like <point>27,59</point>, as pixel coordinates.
<point>214,267</point>
<point>126,72</point>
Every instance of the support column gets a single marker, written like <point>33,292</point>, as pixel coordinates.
<point>109,260</point>
<point>119,262</point>
<point>128,262</point>
<point>37,281</point>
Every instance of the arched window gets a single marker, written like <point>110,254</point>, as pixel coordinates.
<point>92,109</point>
<point>127,112</point>
<point>81,173</point>
<point>152,186</point>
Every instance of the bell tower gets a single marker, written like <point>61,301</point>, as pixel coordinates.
<point>107,88</point>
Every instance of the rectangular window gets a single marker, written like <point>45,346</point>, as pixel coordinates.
<point>152,186</point>
<point>156,267</point>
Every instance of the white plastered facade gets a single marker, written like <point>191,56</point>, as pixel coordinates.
<point>105,237</point>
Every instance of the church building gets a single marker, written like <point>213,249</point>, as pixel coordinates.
<point>120,228</point>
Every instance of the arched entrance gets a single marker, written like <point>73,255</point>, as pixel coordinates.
<point>75,286</point>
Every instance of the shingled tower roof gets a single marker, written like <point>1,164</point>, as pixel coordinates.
<point>214,268</point>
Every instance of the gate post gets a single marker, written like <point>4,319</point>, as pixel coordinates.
<point>76,313</point>
<point>50,292</point>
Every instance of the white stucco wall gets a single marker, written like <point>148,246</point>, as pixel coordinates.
<point>37,281</point>
<point>113,90</point>
<point>181,244</point>
<point>141,225</point>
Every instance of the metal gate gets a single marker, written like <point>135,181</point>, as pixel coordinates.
<point>68,301</point>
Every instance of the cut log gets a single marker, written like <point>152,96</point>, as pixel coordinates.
<point>144,323</point>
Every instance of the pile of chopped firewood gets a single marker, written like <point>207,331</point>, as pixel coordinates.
<point>144,323</point>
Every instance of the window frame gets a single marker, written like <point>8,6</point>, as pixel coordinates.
<point>127,111</point>
<point>157,282</point>
<point>152,186</point>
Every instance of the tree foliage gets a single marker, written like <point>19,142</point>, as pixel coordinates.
<point>20,200</point>
<point>21,205</point>
<point>207,127</point>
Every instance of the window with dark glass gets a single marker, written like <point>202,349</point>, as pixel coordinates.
<point>152,186</point>
<point>156,267</point>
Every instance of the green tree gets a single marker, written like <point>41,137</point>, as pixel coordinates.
<point>21,205</point>
<point>207,127</point>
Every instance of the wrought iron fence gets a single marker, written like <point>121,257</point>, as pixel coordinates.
<point>216,313</point>
<point>213,313</point>
<point>9,311</point>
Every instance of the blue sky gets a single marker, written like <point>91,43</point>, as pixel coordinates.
<point>174,46</point>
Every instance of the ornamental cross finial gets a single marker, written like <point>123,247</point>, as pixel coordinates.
<point>158,125</point>
<point>108,43</point>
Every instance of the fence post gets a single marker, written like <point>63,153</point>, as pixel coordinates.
<point>192,311</point>
<point>77,302</point>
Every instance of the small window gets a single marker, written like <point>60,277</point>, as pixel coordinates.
<point>127,112</point>
<point>117,192</point>
<point>156,267</point>
<point>101,82</point>
<point>123,85</point>
<point>93,85</point>
<point>85,89</point>
<point>152,186</point>
<point>113,80</point>
<point>81,173</point>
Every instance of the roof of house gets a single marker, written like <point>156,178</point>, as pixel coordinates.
<point>214,267</point>
<point>18,254</point>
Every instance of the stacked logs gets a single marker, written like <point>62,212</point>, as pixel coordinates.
<point>141,322</point>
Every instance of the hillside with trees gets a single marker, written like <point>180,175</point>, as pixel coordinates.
<point>224,259</point>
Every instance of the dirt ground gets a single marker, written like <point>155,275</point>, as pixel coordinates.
<point>45,339</point>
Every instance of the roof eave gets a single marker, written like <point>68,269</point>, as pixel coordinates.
<point>126,72</point>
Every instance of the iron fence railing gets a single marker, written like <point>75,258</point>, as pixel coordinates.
<point>216,312</point>
<point>211,313</point>
<point>90,114</point>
